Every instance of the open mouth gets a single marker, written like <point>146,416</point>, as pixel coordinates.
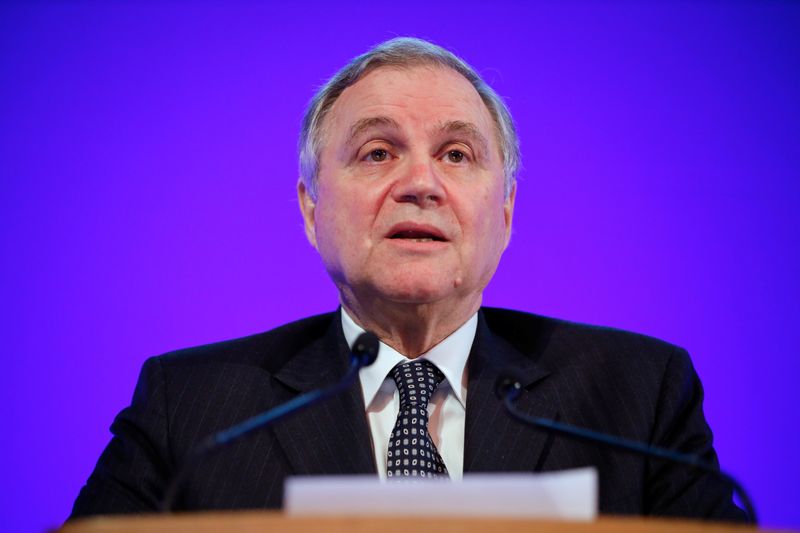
<point>417,236</point>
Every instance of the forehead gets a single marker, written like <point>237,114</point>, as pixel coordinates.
<point>418,95</point>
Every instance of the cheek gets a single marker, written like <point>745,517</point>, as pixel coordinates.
<point>489,228</point>
<point>326,222</point>
<point>343,220</point>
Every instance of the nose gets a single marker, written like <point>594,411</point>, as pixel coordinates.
<point>420,184</point>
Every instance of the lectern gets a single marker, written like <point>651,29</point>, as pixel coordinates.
<point>272,521</point>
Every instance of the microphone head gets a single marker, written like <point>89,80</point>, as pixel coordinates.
<point>365,349</point>
<point>508,385</point>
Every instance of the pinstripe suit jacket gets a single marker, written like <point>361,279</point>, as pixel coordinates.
<point>613,381</point>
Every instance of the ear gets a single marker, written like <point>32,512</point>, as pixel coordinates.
<point>307,207</point>
<point>508,212</point>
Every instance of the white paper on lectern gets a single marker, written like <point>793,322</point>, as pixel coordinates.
<point>566,495</point>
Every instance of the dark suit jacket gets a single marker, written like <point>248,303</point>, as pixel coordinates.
<point>621,383</point>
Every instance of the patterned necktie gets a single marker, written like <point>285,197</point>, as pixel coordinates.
<point>411,450</point>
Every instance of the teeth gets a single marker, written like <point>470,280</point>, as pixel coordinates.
<point>414,236</point>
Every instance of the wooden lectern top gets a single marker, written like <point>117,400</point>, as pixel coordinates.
<point>265,521</point>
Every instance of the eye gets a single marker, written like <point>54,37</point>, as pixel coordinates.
<point>377,155</point>
<point>455,156</point>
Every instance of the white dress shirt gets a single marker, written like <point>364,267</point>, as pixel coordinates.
<point>446,409</point>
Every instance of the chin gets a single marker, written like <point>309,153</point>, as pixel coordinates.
<point>417,291</point>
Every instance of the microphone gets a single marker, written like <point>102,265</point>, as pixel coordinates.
<point>508,389</point>
<point>363,353</point>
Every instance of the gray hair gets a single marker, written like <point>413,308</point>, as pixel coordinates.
<point>401,52</point>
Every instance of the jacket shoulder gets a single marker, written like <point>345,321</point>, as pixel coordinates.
<point>542,336</point>
<point>270,349</point>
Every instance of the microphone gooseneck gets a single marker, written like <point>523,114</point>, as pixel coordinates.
<point>508,389</point>
<point>363,353</point>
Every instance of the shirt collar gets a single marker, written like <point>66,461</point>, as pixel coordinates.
<point>449,356</point>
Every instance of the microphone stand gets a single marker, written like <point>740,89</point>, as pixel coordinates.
<point>509,390</point>
<point>363,353</point>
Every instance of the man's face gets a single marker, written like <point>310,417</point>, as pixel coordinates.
<point>411,205</point>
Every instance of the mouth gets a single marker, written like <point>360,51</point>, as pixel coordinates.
<point>413,232</point>
<point>417,236</point>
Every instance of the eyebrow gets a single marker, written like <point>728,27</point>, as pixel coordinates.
<point>467,129</point>
<point>460,127</point>
<point>368,123</point>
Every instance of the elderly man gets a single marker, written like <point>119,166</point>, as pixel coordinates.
<point>408,163</point>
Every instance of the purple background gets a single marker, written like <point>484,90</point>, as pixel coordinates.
<point>147,154</point>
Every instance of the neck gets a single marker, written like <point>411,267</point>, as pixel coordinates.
<point>411,329</point>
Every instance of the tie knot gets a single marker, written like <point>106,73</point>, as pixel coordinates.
<point>416,381</point>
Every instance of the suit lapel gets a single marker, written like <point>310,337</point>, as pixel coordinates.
<point>333,436</point>
<point>493,442</point>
